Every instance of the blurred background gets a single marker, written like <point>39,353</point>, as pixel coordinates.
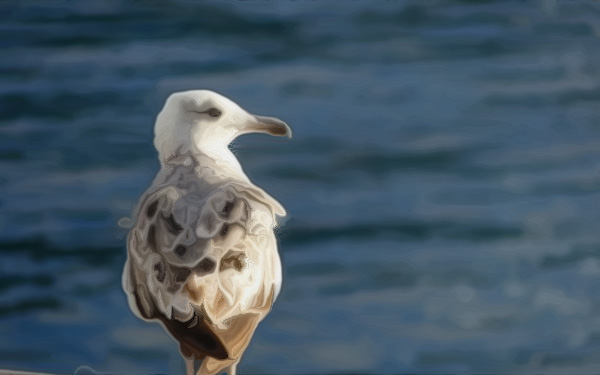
<point>442,183</point>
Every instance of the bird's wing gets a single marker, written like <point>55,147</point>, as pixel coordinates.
<point>150,279</point>
<point>218,243</point>
<point>239,230</point>
<point>258,195</point>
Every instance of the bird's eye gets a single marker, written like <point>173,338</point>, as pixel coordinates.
<point>213,112</point>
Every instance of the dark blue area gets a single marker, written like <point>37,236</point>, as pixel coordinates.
<point>442,184</point>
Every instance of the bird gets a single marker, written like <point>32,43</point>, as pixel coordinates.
<point>202,257</point>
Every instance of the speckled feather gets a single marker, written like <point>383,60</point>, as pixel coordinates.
<point>202,255</point>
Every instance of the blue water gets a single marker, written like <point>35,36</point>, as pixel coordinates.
<point>442,183</point>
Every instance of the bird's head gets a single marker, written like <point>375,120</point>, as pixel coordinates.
<point>199,120</point>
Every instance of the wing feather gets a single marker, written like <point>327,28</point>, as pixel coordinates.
<point>208,253</point>
<point>179,231</point>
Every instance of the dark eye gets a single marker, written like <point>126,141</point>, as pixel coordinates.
<point>213,112</point>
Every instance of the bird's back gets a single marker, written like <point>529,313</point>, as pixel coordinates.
<point>202,259</point>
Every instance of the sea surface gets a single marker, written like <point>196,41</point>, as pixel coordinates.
<point>443,182</point>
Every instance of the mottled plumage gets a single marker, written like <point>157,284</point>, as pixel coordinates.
<point>202,254</point>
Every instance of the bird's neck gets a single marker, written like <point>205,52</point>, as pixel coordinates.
<point>208,148</point>
<point>210,145</point>
<point>221,159</point>
<point>211,166</point>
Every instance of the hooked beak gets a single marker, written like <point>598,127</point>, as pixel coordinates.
<point>269,125</point>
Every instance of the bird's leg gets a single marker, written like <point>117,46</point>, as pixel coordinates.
<point>232,370</point>
<point>212,366</point>
<point>189,366</point>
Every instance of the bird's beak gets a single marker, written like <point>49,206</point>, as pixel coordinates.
<point>269,125</point>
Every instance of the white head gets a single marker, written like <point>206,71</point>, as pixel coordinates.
<point>203,121</point>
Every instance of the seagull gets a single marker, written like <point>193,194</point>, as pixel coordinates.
<point>202,254</point>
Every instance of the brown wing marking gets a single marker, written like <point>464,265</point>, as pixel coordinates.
<point>196,338</point>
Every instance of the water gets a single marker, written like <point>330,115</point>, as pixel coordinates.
<point>442,184</point>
